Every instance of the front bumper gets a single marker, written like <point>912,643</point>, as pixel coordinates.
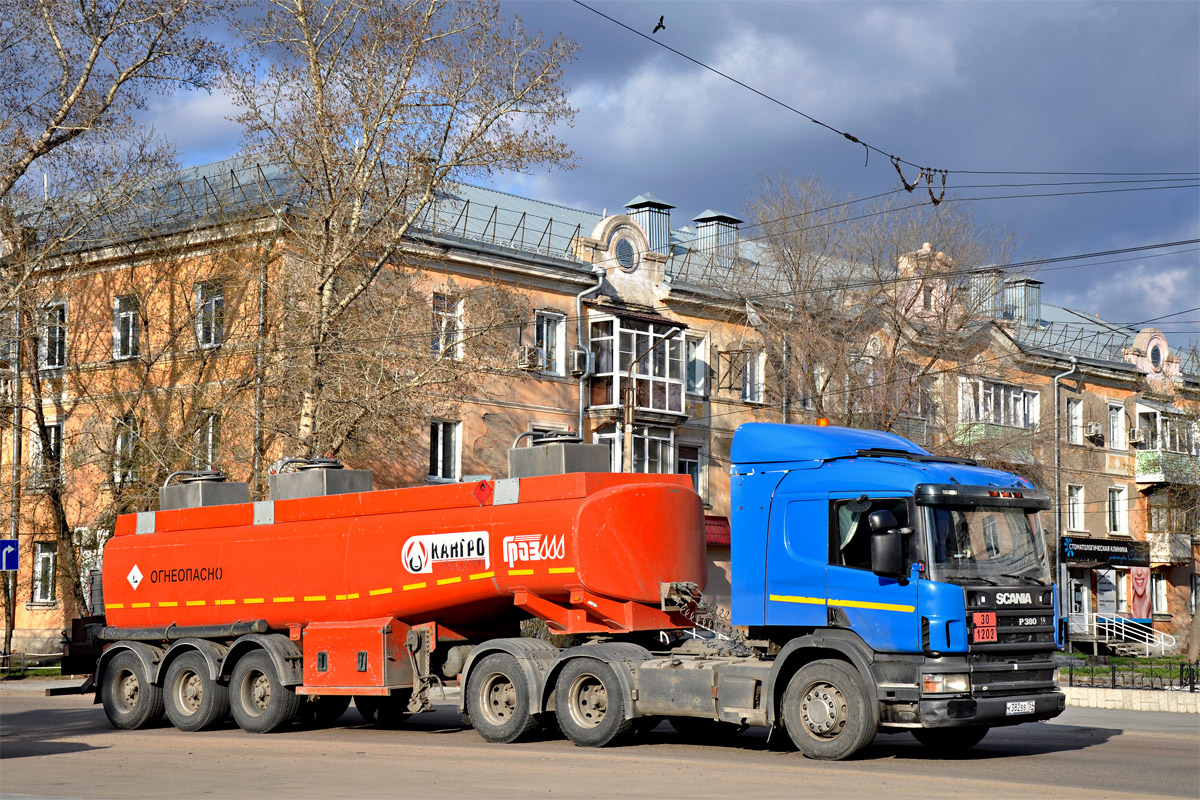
<point>952,712</point>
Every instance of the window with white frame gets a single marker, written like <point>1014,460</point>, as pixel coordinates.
<point>550,332</point>
<point>651,447</point>
<point>443,450</point>
<point>124,432</point>
<point>1158,583</point>
<point>687,462</point>
<point>46,458</point>
<point>1179,435</point>
<point>754,378</point>
<point>206,441</point>
<point>52,339</point>
<point>1074,421</point>
<point>1122,583</point>
<point>1075,508</point>
<point>695,353</point>
<point>210,313</point>
<point>45,568</point>
<point>126,327</point>
<point>997,404</point>
<point>1118,510</point>
<point>446,335</point>
<point>1116,427</point>
<point>657,378</point>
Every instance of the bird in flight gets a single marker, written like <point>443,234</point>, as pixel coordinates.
<point>659,26</point>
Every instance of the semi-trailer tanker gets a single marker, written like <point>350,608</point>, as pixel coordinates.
<point>874,587</point>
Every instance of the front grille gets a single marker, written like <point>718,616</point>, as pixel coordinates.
<point>1023,629</point>
<point>1017,674</point>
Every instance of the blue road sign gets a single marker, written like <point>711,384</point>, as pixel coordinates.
<point>8,554</point>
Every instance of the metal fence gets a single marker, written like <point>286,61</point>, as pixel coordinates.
<point>1167,675</point>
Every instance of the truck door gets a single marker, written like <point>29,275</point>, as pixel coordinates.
<point>797,555</point>
<point>883,611</point>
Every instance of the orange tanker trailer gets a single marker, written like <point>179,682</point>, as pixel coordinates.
<point>290,605</point>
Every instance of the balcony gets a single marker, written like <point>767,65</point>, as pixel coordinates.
<point>1163,466</point>
<point>1170,548</point>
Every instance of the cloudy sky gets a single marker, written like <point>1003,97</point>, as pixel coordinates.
<point>1032,87</point>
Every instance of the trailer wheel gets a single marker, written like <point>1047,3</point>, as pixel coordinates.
<point>130,700</point>
<point>498,699</point>
<point>949,741</point>
<point>322,710</point>
<point>386,712</point>
<point>194,701</point>
<point>590,704</point>
<point>826,711</point>
<point>701,730</point>
<point>259,701</point>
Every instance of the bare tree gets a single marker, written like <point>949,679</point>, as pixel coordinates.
<point>865,308</point>
<point>78,70</point>
<point>375,108</point>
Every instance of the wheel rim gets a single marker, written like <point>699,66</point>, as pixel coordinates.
<point>588,701</point>
<point>256,693</point>
<point>498,698</point>
<point>823,710</point>
<point>128,690</point>
<point>189,692</point>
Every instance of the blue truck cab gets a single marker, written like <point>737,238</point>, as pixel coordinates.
<point>928,575</point>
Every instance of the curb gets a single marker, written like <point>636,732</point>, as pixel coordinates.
<point>1133,699</point>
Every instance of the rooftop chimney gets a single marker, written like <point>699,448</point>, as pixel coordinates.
<point>654,215</point>
<point>717,233</point>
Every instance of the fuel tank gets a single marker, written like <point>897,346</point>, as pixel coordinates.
<point>454,554</point>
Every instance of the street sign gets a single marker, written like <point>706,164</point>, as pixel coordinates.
<point>8,555</point>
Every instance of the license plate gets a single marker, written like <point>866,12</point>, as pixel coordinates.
<point>1018,707</point>
<point>984,619</point>
<point>985,635</point>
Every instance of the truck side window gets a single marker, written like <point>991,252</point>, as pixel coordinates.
<point>850,544</point>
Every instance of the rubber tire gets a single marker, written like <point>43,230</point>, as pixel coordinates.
<point>124,676</point>
<point>213,704</point>
<point>322,710</point>
<point>386,712</point>
<point>583,721</point>
<point>498,700</point>
<point>282,703</point>
<point>950,741</point>
<point>855,719</point>
<point>702,730</point>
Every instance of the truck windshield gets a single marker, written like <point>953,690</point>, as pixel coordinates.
<point>986,543</point>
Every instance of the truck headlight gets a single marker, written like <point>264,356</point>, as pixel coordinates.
<point>945,684</point>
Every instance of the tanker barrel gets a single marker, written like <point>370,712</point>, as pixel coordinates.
<point>174,632</point>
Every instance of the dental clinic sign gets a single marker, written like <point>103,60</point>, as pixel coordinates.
<point>1111,552</point>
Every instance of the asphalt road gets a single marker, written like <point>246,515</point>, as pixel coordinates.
<point>63,747</point>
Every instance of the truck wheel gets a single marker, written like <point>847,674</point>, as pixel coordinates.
<point>130,700</point>
<point>498,699</point>
<point>322,710</point>
<point>386,712</point>
<point>700,730</point>
<point>826,711</point>
<point>194,701</point>
<point>259,701</point>
<point>589,703</point>
<point>949,741</point>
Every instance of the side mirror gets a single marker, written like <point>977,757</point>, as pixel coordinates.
<point>887,552</point>
<point>882,521</point>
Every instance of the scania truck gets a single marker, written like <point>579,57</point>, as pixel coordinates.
<point>874,588</point>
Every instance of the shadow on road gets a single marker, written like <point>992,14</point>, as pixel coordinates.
<point>41,733</point>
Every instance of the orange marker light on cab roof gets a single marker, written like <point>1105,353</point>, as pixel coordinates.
<point>823,422</point>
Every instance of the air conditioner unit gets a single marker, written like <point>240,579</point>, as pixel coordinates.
<point>1093,430</point>
<point>580,361</point>
<point>1136,436</point>
<point>529,358</point>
